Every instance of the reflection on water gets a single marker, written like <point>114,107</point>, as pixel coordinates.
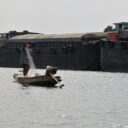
<point>88,100</point>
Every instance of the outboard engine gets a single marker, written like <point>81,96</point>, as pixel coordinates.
<point>51,70</point>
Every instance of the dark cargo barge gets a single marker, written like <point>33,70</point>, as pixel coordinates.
<point>105,51</point>
<point>114,50</point>
<point>114,56</point>
<point>65,51</point>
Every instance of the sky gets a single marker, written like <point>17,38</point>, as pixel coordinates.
<point>61,16</point>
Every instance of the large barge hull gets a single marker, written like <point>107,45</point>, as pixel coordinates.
<point>77,57</point>
<point>114,56</point>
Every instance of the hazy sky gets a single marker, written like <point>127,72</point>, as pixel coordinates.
<point>61,16</point>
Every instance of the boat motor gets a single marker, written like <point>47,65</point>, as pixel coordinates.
<point>51,70</point>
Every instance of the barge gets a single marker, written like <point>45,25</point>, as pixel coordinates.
<point>114,49</point>
<point>104,51</point>
<point>66,51</point>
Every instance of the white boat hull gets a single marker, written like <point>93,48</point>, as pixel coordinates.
<point>41,80</point>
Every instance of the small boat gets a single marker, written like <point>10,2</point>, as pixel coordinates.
<point>39,80</point>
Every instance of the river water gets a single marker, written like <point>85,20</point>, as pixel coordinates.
<point>88,100</point>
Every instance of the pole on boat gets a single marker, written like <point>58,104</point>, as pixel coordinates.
<point>60,85</point>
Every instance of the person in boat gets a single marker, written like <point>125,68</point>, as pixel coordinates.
<point>24,61</point>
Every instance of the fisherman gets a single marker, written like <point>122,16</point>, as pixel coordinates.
<point>24,61</point>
